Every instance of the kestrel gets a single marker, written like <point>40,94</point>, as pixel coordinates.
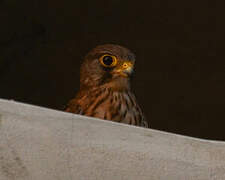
<point>105,91</point>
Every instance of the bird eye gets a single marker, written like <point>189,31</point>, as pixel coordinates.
<point>108,60</point>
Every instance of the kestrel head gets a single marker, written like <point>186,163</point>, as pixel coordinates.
<point>107,65</point>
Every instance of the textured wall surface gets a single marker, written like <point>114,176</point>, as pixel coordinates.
<point>38,143</point>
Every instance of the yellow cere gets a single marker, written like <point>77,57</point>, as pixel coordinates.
<point>127,65</point>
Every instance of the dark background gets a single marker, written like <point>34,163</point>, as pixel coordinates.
<point>180,69</point>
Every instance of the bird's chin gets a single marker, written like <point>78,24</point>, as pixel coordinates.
<point>119,82</point>
<point>121,74</point>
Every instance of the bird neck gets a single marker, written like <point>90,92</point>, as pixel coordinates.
<point>117,84</point>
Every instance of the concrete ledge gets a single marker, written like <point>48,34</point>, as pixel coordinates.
<point>38,143</point>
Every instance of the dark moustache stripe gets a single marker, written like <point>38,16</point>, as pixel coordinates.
<point>131,99</point>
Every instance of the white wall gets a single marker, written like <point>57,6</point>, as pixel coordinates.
<point>41,144</point>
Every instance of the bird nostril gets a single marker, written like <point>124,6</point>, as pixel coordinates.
<point>125,65</point>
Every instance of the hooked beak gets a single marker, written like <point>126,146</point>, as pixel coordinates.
<point>125,69</point>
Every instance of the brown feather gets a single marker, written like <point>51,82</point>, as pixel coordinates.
<point>106,95</point>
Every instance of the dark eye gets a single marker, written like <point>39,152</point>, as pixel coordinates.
<point>108,60</point>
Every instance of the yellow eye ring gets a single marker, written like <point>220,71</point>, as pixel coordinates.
<point>108,60</point>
